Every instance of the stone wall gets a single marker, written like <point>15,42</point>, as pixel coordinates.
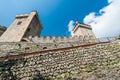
<point>16,48</point>
<point>45,43</point>
<point>61,39</point>
<point>98,62</point>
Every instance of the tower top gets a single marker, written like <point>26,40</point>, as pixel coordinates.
<point>82,29</point>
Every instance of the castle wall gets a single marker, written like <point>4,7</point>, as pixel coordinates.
<point>98,62</point>
<point>60,39</point>
<point>45,43</point>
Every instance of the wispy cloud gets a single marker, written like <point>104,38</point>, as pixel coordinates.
<point>71,26</point>
<point>107,21</point>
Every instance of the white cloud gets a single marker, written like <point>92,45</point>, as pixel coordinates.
<point>107,23</point>
<point>71,26</point>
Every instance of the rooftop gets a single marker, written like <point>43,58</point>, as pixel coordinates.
<point>81,25</point>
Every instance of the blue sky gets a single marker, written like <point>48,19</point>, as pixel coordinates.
<point>55,15</point>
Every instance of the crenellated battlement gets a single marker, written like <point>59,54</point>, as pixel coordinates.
<point>61,39</point>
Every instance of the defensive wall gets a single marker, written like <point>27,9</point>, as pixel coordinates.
<point>60,39</point>
<point>91,62</point>
<point>43,43</point>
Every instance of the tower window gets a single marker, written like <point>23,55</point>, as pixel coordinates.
<point>28,30</point>
<point>19,22</point>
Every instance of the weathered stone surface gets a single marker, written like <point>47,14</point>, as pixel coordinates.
<point>98,62</point>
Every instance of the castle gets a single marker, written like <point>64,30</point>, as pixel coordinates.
<point>27,26</point>
<point>25,55</point>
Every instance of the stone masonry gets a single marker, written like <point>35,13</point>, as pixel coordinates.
<point>41,44</point>
<point>98,62</point>
<point>78,57</point>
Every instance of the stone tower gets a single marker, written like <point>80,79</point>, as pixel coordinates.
<point>83,30</point>
<point>23,26</point>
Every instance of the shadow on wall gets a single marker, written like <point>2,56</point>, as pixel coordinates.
<point>38,76</point>
<point>6,72</point>
<point>9,69</point>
